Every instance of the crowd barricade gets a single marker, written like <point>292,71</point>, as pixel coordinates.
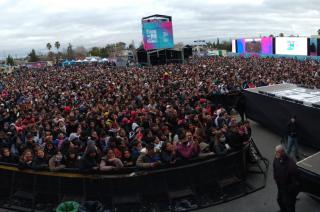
<point>227,100</point>
<point>194,174</point>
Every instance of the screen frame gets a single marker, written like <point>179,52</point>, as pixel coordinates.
<point>158,21</point>
<point>280,52</point>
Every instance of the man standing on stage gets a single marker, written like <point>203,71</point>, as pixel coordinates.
<point>292,137</point>
<point>285,173</point>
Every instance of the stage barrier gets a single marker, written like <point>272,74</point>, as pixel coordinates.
<point>206,181</point>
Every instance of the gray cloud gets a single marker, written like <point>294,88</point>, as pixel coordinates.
<point>27,24</point>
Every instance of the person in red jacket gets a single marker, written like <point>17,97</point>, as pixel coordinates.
<point>187,147</point>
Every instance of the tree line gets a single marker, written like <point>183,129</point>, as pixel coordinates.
<point>80,52</point>
<point>110,50</point>
<point>225,45</point>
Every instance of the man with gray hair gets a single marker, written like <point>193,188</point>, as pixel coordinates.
<point>285,174</point>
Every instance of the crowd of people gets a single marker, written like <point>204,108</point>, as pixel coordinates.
<point>106,118</point>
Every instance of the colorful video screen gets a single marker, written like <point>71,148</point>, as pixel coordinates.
<point>255,45</point>
<point>241,46</point>
<point>157,34</point>
<point>292,46</point>
<point>234,48</point>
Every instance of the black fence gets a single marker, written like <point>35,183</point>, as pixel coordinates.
<point>229,101</point>
<point>205,181</point>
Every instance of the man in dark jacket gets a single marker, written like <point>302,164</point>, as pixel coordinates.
<point>286,176</point>
<point>90,162</point>
<point>233,138</point>
<point>40,162</point>
<point>241,106</point>
<point>150,159</point>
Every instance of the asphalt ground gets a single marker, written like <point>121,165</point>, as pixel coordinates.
<point>265,200</point>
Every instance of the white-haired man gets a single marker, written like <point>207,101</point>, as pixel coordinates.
<point>286,176</point>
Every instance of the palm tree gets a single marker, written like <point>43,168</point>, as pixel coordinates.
<point>57,45</point>
<point>49,46</point>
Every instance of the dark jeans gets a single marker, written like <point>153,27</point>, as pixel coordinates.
<point>292,145</point>
<point>286,201</point>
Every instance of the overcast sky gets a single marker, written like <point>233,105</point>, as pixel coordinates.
<point>27,24</point>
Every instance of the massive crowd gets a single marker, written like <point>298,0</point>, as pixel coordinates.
<point>105,118</point>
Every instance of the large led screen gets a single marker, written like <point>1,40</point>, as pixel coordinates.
<point>157,34</point>
<point>234,47</point>
<point>292,45</point>
<point>255,45</point>
<point>240,46</point>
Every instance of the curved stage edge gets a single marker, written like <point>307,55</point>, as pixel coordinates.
<point>309,171</point>
<point>203,182</point>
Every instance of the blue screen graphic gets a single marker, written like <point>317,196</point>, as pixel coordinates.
<point>157,34</point>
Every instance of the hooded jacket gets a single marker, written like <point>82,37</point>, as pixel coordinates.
<point>87,162</point>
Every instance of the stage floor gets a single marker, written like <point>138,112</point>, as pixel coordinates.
<point>311,163</point>
<point>292,92</point>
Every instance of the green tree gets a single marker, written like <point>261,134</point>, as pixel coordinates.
<point>33,57</point>
<point>80,52</point>
<point>57,45</point>
<point>218,42</point>
<point>95,51</point>
<point>70,52</point>
<point>50,54</point>
<point>319,32</point>
<point>10,60</point>
<point>49,46</point>
<point>209,44</point>
<point>117,48</point>
<point>104,52</point>
<point>112,49</point>
<point>226,45</point>
<point>281,34</point>
<point>121,45</point>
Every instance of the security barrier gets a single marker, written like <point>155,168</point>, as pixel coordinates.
<point>193,178</point>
